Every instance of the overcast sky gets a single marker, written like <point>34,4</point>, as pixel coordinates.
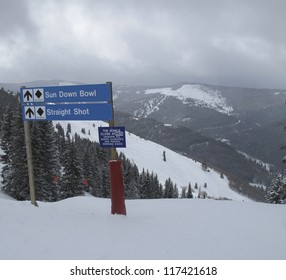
<point>144,42</point>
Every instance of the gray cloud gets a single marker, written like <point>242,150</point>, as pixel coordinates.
<point>145,42</point>
<point>13,17</point>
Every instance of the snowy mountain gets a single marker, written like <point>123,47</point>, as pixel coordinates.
<point>192,95</point>
<point>222,124</point>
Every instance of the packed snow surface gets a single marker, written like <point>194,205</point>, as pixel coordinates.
<point>201,95</point>
<point>83,228</point>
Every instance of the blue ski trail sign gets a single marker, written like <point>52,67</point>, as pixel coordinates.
<point>64,112</point>
<point>67,94</point>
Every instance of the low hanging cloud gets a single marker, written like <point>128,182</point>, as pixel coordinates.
<point>224,42</point>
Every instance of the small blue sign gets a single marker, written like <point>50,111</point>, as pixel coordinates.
<point>67,94</point>
<point>67,112</point>
<point>112,137</point>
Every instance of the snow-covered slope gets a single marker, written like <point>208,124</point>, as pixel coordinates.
<point>149,155</point>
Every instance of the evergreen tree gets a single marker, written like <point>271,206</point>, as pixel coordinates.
<point>164,156</point>
<point>15,176</point>
<point>6,140</point>
<point>155,186</point>
<point>69,128</point>
<point>132,189</point>
<point>145,191</point>
<point>276,192</point>
<point>169,189</point>
<point>130,177</point>
<point>71,184</point>
<point>103,168</point>
<point>6,145</point>
<point>161,191</point>
<point>60,136</point>
<point>45,160</point>
<point>87,168</point>
<point>8,102</point>
<point>189,191</point>
<point>97,180</point>
<point>204,166</point>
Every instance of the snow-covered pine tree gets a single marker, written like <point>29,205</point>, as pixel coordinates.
<point>60,135</point>
<point>97,180</point>
<point>16,176</point>
<point>145,185</point>
<point>155,186</point>
<point>103,172</point>
<point>8,102</point>
<point>71,184</point>
<point>276,192</point>
<point>87,166</point>
<point>69,128</point>
<point>189,191</point>
<point>133,187</point>
<point>169,189</point>
<point>95,170</point>
<point>45,160</point>
<point>126,170</point>
<point>5,144</point>
<point>6,139</point>
<point>164,156</point>
<point>131,178</point>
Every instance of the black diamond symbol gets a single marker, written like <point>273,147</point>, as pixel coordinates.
<point>38,94</point>
<point>40,112</point>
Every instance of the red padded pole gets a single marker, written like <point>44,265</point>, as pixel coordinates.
<point>117,188</point>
